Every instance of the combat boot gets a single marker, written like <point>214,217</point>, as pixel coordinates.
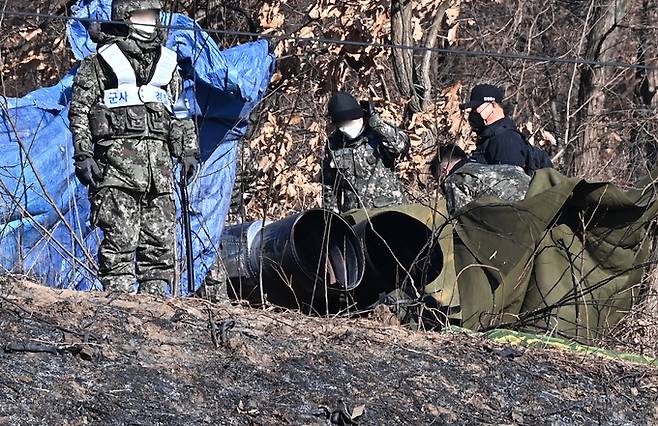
<point>120,284</point>
<point>154,287</point>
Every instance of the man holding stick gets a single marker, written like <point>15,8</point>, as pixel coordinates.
<point>127,125</point>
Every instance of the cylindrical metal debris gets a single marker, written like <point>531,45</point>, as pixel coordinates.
<point>400,254</point>
<point>309,261</point>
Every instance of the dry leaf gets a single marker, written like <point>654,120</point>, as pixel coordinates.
<point>358,411</point>
<point>452,34</point>
<point>452,13</point>
<point>306,32</point>
<point>548,137</point>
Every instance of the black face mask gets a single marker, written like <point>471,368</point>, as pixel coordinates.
<point>476,121</point>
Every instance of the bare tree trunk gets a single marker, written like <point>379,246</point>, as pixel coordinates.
<point>428,56</point>
<point>643,148</point>
<point>403,59</point>
<point>648,55</point>
<point>600,43</point>
<point>645,136</point>
<point>413,77</point>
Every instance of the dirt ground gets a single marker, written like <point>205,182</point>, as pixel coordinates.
<point>88,358</point>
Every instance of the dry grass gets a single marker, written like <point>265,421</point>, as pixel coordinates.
<point>638,331</point>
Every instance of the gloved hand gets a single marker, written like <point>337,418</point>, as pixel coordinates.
<point>368,109</point>
<point>190,164</point>
<point>87,171</point>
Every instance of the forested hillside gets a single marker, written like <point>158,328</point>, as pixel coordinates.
<point>580,78</point>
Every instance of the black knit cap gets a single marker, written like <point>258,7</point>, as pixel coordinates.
<point>344,107</point>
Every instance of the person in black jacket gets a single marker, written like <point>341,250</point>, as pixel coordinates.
<point>498,139</point>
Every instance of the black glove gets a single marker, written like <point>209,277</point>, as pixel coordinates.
<point>190,164</point>
<point>368,108</point>
<point>87,171</point>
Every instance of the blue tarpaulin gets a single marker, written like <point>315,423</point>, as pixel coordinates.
<point>44,211</point>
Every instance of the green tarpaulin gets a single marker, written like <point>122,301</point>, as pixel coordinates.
<point>567,260</point>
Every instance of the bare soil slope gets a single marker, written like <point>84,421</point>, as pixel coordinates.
<point>142,361</point>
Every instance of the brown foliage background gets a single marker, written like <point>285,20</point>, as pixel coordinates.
<point>33,51</point>
<point>599,123</point>
<point>551,102</point>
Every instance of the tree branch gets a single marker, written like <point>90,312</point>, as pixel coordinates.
<point>430,42</point>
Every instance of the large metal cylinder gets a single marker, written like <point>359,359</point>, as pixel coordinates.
<point>399,253</point>
<point>309,261</point>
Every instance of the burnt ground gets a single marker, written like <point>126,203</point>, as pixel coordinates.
<point>139,360</point>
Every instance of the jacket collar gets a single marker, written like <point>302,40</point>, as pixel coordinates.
<point>493,128</point>
<point>457,166</point>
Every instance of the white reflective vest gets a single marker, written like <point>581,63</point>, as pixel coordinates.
<point>127,92</point>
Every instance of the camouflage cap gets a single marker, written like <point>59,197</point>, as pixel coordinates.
<point>121,9</point>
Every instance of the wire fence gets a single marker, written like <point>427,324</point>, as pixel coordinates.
<point>560,59</point>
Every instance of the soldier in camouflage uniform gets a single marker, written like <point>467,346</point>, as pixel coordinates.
<point>358,169</point>
<point>464,180</point>
<point>127,124</point>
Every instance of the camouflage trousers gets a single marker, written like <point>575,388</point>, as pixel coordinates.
<point>139,239</point>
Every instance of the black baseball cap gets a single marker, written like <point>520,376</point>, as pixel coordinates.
<point>483,93</point>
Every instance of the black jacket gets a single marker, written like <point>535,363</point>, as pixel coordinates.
<point>501,143</point>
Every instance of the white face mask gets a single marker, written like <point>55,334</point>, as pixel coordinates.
<point>353,128</point>
<point>144,22</point>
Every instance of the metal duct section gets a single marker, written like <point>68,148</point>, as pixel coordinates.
<point>309,261</point>
<point>399,253</point>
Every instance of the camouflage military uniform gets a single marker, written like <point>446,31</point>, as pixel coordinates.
<point>360,173</point>
<point>133,146</point>
<point>472,180</point>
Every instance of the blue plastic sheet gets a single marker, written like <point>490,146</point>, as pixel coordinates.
<point>44,210</point>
